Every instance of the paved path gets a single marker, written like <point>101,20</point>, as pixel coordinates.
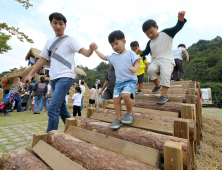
<point>12,137</point>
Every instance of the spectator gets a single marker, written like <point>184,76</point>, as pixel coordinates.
<point>97,94</point>
<point>77,97</point>
<point>40,90</point>
<point>110,80</point>
<point>83,89</point>
<point>48,96</point>
<point>30,88</point>
<point>92,96</point>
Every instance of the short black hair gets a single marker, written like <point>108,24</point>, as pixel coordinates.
<point>117,34</point>
<point>99,86</point>
<point>94,86</point>
<point>6,91</point>
<point>82,82</point>
<point>20,77</point>
<point>148,24</point>
<point>182,45</point>
<point>78,89</point>
<point>134,44</point>
<point>57,16</point>
<point>42,79</point>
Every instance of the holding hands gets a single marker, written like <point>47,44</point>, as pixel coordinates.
<point>181,15</point>
<point>93,46</point>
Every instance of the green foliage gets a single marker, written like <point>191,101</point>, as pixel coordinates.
<point>15,31</point>
<point>205,61</point>
<point>4,47</point>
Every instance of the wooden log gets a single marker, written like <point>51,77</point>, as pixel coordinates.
<point>169,106</point>
<point>90,111</point>
<point>181,128</point>
<point>155,97</point>
<point>138,136</point>
<point>69,121</point>
<point>171,87</point>
<point>170,91</point>
<point>39,136</point>
<point>54,158</point>
<point>191,123</point>
<point>147,111</point>
<point>90,156</point>
<point>23,159</point>
<point>173,159</point>
<point>141,153</point>
<point>1,159</point>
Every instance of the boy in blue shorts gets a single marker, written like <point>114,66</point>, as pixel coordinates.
<point>126,63</point>
<point>161,47</point>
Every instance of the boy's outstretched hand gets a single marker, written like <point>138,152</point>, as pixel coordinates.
<point>181,15</point>
<point>132,69</point>
<point>93,46</point>
<point>139,51</point>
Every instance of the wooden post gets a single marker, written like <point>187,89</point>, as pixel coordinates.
<point>191,99</point>
<point>105,103</point>
<point>192,85</point>
<point>70,121</point>
<point>188,112</point>
<point>181,128</point>
<point>39,136</point>
<point>1,159</point>
<point>192,91</point>
<point>90,111</point>
<point>173,158</point>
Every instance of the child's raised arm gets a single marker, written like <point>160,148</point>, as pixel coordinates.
<point>101,55</point>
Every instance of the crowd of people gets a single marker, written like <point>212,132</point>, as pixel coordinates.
<point>129,67</point>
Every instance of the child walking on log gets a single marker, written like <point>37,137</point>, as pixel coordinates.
<point>77,99</point>
<point>126,63</point>
<point>161,47</point>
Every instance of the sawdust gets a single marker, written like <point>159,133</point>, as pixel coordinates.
<point>209,155</point>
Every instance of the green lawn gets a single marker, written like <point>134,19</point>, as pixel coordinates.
<point>217,112</point>
<point>16,118</point>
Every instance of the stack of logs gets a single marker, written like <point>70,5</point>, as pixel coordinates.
<point>160,137</point>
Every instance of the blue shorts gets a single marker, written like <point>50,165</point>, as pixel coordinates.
<point>125,87</point>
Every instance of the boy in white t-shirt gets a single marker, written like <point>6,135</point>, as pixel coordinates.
<point>62,71</point>
<point>178,53</point>
<point>77,98</point>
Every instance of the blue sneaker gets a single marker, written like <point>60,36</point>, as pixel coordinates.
<point>116,124</point>
<point>162,100</point>
<point>156,90</point>
<point>128,118</point>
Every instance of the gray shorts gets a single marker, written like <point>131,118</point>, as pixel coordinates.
<point>140,79</point>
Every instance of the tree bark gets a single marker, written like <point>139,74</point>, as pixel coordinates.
<point>23,159</point>
<point>168,106</point>
<point>192,126</point>
<point>90,156</point>
<point>138,136</point>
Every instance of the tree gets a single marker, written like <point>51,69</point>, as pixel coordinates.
<point>4,47</point>
<point>15,31</point>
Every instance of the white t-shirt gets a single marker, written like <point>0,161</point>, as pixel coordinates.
<point>77,99</point>
<point>178,53</point>
<point>83,89</point>
<point>62,62</point>
<point>48,88</point>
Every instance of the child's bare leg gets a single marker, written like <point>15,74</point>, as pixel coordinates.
<point>164,91</point>
<point>128,102</point>
<point>156,82</point>
<point>118,107</point>
<point>158,77</point>
<point>140,86</point>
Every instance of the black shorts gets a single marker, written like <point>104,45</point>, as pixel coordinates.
<point>91,101</point>
<point>76,109</point>
<point>140,79</point>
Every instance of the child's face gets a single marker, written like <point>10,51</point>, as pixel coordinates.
<point>118,45</point>
<point>152,33</point>
<point>134,48</point>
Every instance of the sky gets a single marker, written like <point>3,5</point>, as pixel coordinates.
<point>92,21</point>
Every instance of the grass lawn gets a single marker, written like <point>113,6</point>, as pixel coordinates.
<point>16,118</point>
<point>217,112</point>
